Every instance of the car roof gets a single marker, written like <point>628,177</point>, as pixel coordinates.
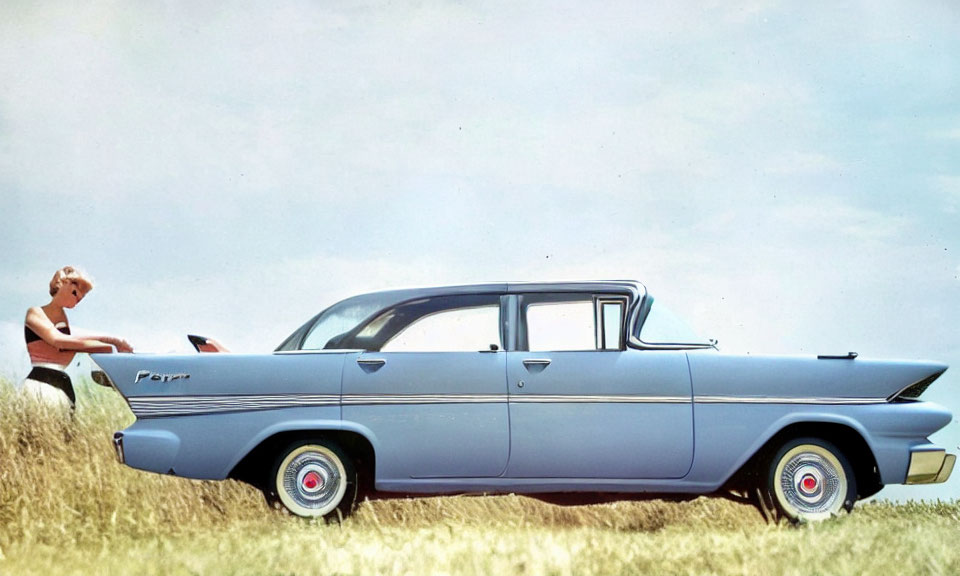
<point>398,295</point>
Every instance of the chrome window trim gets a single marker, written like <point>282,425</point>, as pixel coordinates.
<point>637,343</point>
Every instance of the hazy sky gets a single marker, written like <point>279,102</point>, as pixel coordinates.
<point>787,176</point>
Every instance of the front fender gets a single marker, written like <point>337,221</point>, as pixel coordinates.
<point>728,436</point>
<point>787,420</point>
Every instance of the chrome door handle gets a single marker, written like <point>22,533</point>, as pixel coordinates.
<point>369,365</point>
<point>536,362</point>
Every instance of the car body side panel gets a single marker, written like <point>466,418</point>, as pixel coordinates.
<point>594,414</point>
<point>435,414</point>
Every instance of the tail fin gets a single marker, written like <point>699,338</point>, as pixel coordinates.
<point>204,344</point>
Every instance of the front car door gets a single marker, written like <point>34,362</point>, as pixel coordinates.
<point>583,404</point>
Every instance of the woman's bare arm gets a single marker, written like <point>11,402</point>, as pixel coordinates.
<point>119,343</point>
<point>41,325</point>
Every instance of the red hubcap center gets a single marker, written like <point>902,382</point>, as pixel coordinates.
<point>809,483</point>
<point>312,480</point>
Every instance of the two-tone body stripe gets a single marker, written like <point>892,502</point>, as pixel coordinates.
<point>158,406</point>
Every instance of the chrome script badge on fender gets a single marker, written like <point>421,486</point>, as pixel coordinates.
<point>145,374</point>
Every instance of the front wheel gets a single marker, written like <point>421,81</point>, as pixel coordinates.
<point>315,478</point>
<point>809,479</point>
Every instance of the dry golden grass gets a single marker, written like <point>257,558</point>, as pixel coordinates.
<point>67,507</point>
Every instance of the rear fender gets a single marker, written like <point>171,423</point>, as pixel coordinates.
<point>305,427</point>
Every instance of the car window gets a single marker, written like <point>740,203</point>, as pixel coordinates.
<point>338,320</point>
<point>456,330</point>
<point>612,322</point>
<point>662,326</point>
<point>558,326</point>
<point>556,322</point>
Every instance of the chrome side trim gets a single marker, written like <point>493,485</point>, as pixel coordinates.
<point>156,406</point>
<point>382,399</point>
<point>160,406</point>
<point>784,400</point>
<point>608,399</point>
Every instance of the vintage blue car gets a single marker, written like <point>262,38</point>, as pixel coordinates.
<point>528,388</point>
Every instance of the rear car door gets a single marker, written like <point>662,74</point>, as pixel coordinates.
<point>432,388</point>
<point>583,405</point>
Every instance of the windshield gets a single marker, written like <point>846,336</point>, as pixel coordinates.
<point>662,326</point>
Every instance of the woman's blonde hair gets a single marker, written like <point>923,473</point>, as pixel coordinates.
<point>67,274</point>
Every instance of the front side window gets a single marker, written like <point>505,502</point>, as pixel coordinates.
<point>611,314</point>
<point>557,326</point>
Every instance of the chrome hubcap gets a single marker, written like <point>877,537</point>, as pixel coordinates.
<point>811,482</point>
<point>312,480</point>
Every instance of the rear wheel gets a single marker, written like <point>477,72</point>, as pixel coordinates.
<point>315,478</point>
<point>809,479</point>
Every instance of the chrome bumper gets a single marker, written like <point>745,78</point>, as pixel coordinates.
<point>930,467</point>
<point>118,446</point>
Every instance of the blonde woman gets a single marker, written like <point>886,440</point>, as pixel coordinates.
<point>52,346</point>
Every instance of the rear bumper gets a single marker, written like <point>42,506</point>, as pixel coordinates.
<point>930,466</point>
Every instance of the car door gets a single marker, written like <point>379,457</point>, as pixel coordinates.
<point>583,405</point>
<point>433,389</point>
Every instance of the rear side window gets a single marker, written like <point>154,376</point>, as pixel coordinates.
<point>571,322</point>
<point>461,323</point>
<point>555,326</point>
<point>456,330</point>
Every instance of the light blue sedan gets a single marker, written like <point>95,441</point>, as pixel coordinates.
<point>528,388</point>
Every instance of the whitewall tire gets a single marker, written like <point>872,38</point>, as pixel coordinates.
<point>809,479</point>
<point>314,479</point>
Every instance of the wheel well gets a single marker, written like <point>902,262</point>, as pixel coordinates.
<point>848,440</point>
<point>255,467</point>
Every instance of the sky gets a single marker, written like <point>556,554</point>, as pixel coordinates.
<point>786,176</point>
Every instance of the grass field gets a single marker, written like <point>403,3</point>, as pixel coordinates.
<point>67,507</point>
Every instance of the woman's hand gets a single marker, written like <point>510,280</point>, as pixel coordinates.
<point>119,343</point>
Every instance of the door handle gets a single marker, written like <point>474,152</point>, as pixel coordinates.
<point>370,364</point>
<point>536,365</point>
